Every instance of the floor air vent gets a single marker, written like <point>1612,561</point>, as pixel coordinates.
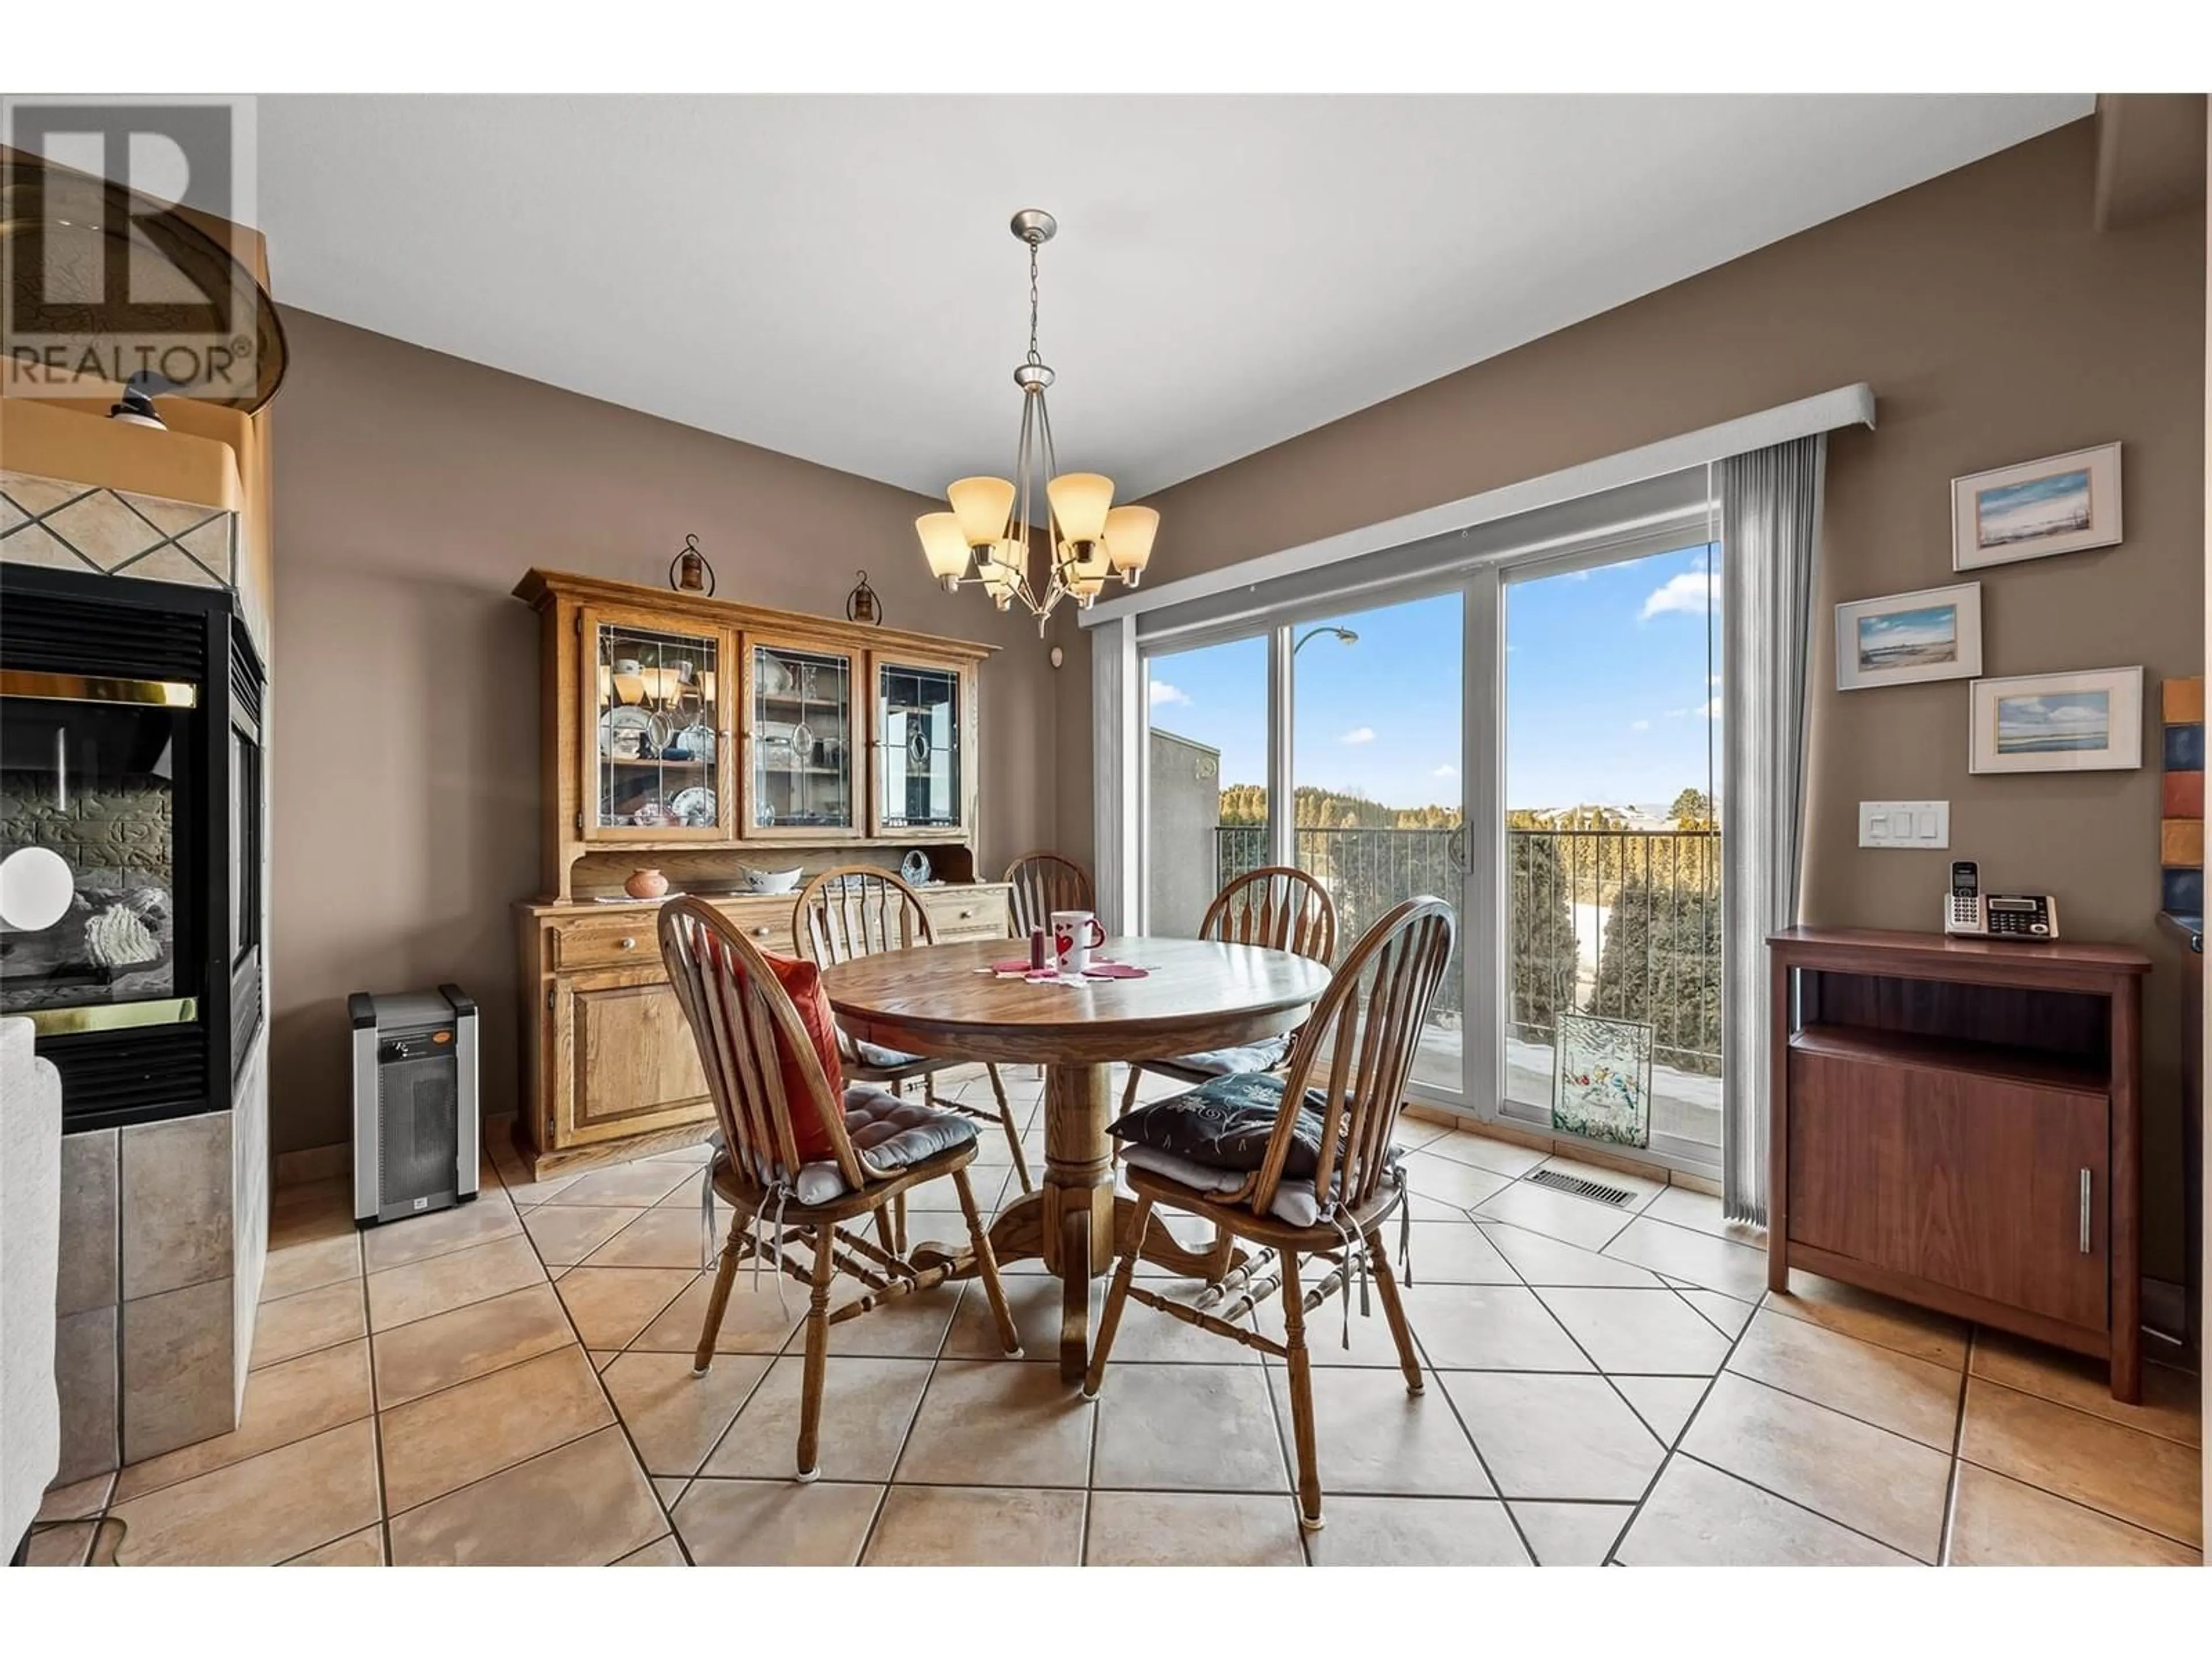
<point>1581,1188</point>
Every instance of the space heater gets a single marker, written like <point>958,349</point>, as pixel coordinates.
<point>414,1102</point>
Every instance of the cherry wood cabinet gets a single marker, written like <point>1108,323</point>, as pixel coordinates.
<point>1955,1123</point>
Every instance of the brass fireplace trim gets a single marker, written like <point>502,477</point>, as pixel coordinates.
<point>113,1016</point>
<point>87,688</point>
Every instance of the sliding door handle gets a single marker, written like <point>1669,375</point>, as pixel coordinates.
<point>2085,1212</point>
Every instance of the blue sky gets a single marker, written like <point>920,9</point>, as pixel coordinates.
<point>1610,693</point>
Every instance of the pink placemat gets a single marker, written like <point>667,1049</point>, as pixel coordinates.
<point>1115,970</point>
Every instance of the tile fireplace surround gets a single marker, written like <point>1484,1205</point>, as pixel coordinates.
<point>161,1224</point>
<point>511,1383</point>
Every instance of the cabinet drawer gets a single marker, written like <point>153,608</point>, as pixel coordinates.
<point>765,921</point>
<point>616,942</point>
<point>966,914</point>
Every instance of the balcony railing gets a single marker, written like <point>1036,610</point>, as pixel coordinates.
<point>1623,923</point>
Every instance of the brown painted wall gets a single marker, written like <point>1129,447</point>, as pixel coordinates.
<point>1995,325</point>
<point>412,490</point>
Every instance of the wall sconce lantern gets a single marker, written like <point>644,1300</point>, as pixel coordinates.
<point>861,605</point>
<point>689,571</point>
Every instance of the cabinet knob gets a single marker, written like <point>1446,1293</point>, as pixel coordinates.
<point>760,933</point>
<point>630,945</point>
<point>967,913</point>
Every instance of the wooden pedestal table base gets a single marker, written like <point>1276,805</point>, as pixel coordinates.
<point>1200,995</point>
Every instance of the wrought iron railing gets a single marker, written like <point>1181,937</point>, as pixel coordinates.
<point>1624,923</point>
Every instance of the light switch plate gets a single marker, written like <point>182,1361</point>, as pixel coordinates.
<point>1919,824</point>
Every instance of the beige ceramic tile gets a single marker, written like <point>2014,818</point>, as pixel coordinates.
<point>1545,1261</point>
<point>904,1328</point>
<point>977,1526</point>
<point>1488,1328</point>
<point>776,1523</point>
<point>581,1504</point>
<point>420,1237</point>
<point>1998,1522</point>
<point>311,1264</point>
<point>1699,1517</point>
<point>1503,1157</point>
<point>2137,1477</point>
<point>1724,1313</point>
<point>603,1357</point>
<point>1556,1437</point>
<point>1874,1482</point>
<point>294,1325</point>
<point>85,1378</point>
<point>1034,1300</point>
<point>637,1185</point>
<point>2170,1406</point>
<point>1370,1342</point>
<point>421,1289</point>
<point>451,1347</point>
<point>1460,1185</point>
<point>1892,1391</point>
<point>1574,1221</point>
<point>78,1500</point>
<point>611,1306</point>
<point>867,1407</point>
<point>1872,1318</point>
<point>1192,1529</point>
<point>1701,1212</point>
<point>265,1509</point>
<point>1206,1428</point>
<point>1695,1258</point>
<point>179,1365</point>
<point>175,1206</point>
<point>674,1418</point>
<point>660,1553</point>
<point>999,1423</point>
<point>1646,1332</point>
<point>1665,1403</point>
<point>364,1548</point>
<point>1571,1535</point>
<point>284,1403</point>
<point>63,1544</point>
<point>756,1321</point>
<point>656,1238</point>
<point>1451,1253</point>
<point>447,1439</point>
<point>1373,1437</point>
<point>1415,1532</point>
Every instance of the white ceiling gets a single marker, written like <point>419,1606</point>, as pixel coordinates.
<point>833,277</point>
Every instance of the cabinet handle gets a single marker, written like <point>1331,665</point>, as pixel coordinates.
<point>630,945</point>
<point>760,933</point>
<point>2085,1212</point>
<point>967,914</point>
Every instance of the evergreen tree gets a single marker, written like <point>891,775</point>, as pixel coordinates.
<point>1661,963</point>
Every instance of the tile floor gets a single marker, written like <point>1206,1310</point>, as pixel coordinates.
<point>511,1383</point>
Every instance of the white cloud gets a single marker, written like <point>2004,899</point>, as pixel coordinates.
<point>1640,726</point>
<point>1447,770</point>
<point>1686,593</point>
<point>1164,694</point>
<point>1358,734</point>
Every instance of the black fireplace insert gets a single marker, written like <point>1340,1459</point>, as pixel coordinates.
<point>131,817</point>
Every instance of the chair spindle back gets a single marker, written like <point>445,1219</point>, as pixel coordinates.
<point>858,910</point>
<point>1277,907</point>
<point>1041,883</point>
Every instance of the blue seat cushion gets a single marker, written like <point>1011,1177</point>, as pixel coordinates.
<point>1261,1057</point>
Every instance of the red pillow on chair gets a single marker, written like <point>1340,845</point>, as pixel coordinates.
<point>802,983</point>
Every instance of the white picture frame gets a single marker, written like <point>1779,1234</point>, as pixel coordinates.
<point>1905,639</point>
<point>2060,504</point>
<point>2089,720</point>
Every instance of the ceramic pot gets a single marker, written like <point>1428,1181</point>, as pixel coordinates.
<point>646,884</point>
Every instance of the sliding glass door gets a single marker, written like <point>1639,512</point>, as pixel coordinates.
<point>1534,740</point>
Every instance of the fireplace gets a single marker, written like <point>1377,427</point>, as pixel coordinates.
<point>130,815</point>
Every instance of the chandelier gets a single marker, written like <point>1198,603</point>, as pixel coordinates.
<point>1091,540</point>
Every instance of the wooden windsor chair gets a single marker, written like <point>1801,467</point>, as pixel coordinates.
<point>858,910</point>
<point>751,1040</point>
<point>1349,1068</point>
<point>1038,884</point>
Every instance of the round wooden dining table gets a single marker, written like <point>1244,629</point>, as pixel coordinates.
<point>1197,995</point>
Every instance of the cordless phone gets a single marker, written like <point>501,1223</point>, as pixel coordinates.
<point>2031,917</point>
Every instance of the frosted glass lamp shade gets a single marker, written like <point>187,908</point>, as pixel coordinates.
<point>1129,532</point>
<point>1079,501</point>
<point>981,506</point>
<point>943,544</point>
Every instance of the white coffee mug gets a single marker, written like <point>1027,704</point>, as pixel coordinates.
<point>1075,934</point>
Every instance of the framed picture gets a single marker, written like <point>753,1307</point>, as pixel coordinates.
<point>1933,634</point>
<point>1602,1078</point>
<point>2089,721</point>
<point>2032,510</point>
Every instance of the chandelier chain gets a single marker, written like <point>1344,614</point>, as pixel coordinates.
<point>1034,358</point>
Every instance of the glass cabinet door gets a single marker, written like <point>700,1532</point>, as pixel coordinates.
<point>799,755</point>
<point>656,732</point>
<point>920,776</point>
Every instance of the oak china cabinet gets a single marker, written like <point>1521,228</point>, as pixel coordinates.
<point>720,745</point>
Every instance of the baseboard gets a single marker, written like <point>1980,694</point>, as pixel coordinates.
<point>313,1164</point>
<point>1535,1140</point>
